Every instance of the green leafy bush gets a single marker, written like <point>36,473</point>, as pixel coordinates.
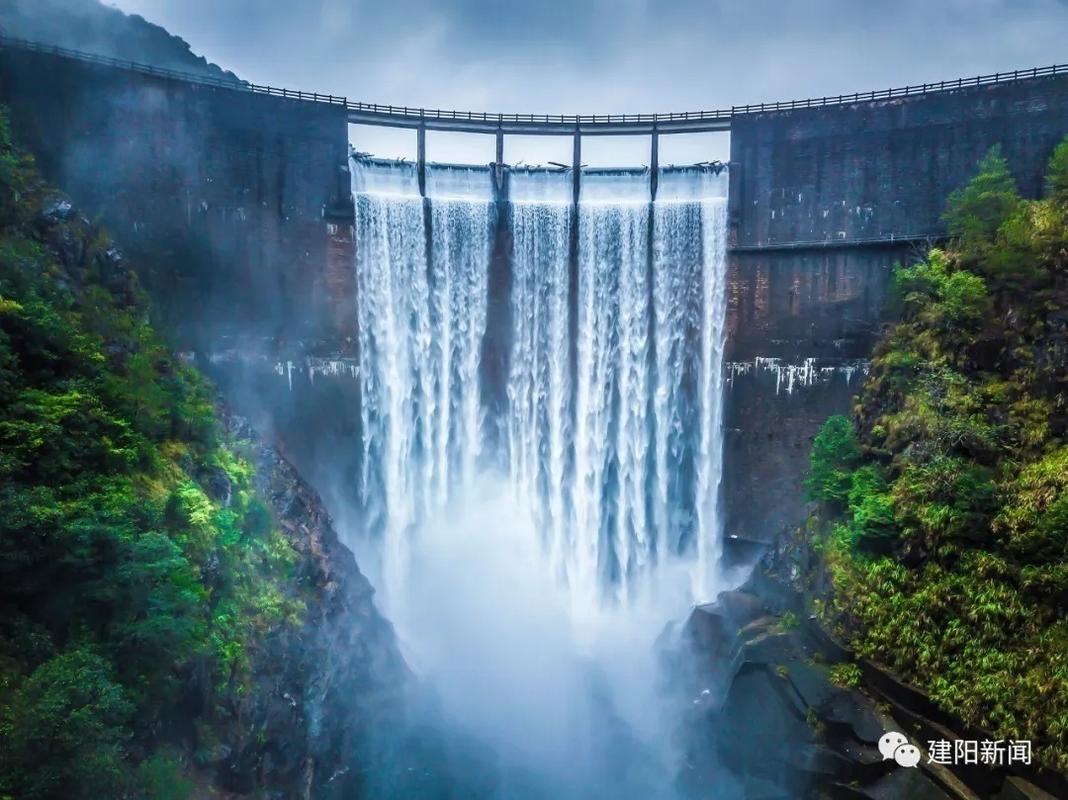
<point>835,452</point>
<point>847,675</point>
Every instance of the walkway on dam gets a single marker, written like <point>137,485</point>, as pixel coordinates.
<point>542,124</point>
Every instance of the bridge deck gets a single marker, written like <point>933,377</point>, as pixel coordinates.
<point>545,124</point>
<point>539,124</point>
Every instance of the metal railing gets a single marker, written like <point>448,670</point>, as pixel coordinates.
<point>414,113</point>
<point>905,91</point>
<point>173,74</point>
<point>534,119</point>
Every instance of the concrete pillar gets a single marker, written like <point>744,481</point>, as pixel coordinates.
<point>420,148</point>
<point>573,274</point>
<point>499,162</point>
<point>576,168</point>
<point>654,164</point>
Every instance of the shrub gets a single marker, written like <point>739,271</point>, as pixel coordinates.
<point>835,452</point>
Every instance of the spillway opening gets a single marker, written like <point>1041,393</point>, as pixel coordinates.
<point>541,410</point>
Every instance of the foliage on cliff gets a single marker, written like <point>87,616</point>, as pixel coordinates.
<point>944,501</point>
<point>137,565</point>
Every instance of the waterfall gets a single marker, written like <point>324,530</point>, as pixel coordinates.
<point>614,538</point>
<point>690,308</point>
<point>460,223</point>
<point>421,318</point>
<point>541,408</point>
<point>611,428</point>
<point>539,382</point>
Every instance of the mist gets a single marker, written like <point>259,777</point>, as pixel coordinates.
<point>568,700</point>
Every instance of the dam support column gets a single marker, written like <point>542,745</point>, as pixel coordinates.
<point>420,155</point>
<point>498,164</point>
<point>497,341</point>
<point>573,272</point>
<point>654,164</point>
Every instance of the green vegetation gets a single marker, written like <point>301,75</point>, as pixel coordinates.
<point>137,566</point>
<point>847,675</point>
<point>943,515</point>
<point>788,621</point>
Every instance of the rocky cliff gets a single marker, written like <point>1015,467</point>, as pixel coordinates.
<point>779,709</point>
<point>329,694</point>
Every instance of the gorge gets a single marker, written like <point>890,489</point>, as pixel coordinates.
<point>561,416</point>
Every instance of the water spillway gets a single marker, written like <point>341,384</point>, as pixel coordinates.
<point>541,514</point>
<point>610,431</point>
<point>539,378</point>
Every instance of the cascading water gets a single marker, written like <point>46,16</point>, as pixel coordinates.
<point>690,310</point>
<point>394,326</point>
<point>529,582</point>
<point>613,537</point>
<point>461,222</point>
<point>539,383</point>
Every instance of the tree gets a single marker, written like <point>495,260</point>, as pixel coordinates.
<point>835,452</point>
<point>1057,175</point>
<point>64,730</point>
<point>976,211</point>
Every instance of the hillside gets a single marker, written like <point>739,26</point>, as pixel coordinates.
<point>90,26</point>
<point>942,534</point>
<point>177,616</point>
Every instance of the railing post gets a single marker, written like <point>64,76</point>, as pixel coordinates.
<point>420,154</point>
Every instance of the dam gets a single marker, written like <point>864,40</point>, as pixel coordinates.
<point>554,412</point>
<point>252,190</point>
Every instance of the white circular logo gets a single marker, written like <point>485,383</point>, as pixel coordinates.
<point>895,746</point>
<point>907,755</point>
<point>889,742</point>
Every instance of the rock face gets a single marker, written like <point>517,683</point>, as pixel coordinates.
<point>771,716</point>
<point>329,695</point>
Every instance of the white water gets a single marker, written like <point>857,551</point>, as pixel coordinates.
<point>539,382</point>
<point>614,542</point>
<point>420,336</point>
<point>529,594</point>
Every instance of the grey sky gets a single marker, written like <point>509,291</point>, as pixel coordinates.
<point>569,56</point>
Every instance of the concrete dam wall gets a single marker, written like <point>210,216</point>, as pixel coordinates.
<point>243,202</point>
<point>234,196</point>
<point>823,202</point>
<point>881,170</point>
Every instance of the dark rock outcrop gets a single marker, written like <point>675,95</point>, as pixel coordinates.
<point>329,693</point>
<point>772,717</point>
